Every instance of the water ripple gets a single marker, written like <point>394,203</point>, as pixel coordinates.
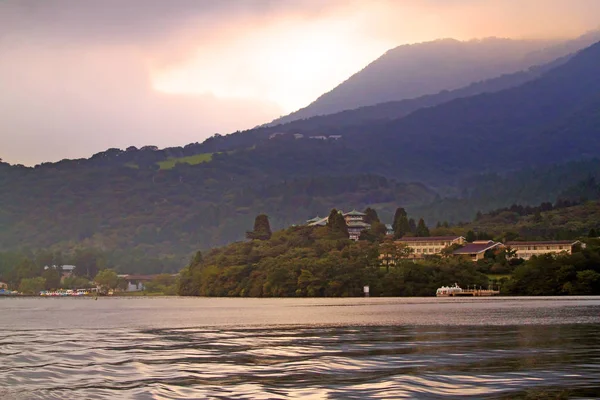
<point>431,361</point>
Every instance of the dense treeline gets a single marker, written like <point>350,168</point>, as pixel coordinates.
<point>315,261</point>
<point>577,274</point>
<point>558,223</point>
<point>150,222</point>
<point>25,270</point>
<point>321,261</point>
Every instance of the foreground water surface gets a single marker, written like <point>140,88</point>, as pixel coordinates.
<point>195,348</point>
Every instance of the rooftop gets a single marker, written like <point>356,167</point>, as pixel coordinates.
<point>358,224</point>
<point>429,239</point>
<point>543,242</point>
<point>476,248</point>
<point>319,222</point>
<point>355,213</point>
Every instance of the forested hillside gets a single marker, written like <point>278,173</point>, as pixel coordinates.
<point>322,262</point>
<point>443,163</point>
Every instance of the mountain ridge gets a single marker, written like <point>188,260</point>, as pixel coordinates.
<point>382,80</point>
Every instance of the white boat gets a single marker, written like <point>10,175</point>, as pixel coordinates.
<point>446,291</point>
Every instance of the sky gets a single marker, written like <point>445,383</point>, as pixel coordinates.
<point>78,77</point>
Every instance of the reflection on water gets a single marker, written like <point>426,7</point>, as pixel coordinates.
<point>313,360</point>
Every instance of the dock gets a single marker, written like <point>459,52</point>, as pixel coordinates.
<point>474,293</point>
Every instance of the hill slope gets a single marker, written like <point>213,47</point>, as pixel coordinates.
<point>411,71</point>
<point>399,109</point>
<point>120,200</point>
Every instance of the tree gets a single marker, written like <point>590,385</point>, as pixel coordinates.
<point>107,279</point>
<point>76,282</point>
<point>32,285</point>
<point>337,224</point>
<point>371,216</point>
<point>52,277</point>
<point>422,229</point>
<point>412,226</point>
<point>593,233</point>
<point>262,228</point>
<point>197,259</point>
<point>88,261</point>
<point>376,233</point>
<point>470,236</point>
<point>400,224</point>
<point>537,216</point>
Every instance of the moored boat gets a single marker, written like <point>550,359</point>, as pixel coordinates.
<point>446,291</point>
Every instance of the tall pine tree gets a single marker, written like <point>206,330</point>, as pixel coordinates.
<point>412,226</point>
<point>400,225</point>
<point>371,216</point>
<point>262,228</point>
<point>422,229</point>
<point>337,224</point>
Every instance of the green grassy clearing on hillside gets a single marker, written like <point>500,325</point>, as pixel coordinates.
<point>192,160</point>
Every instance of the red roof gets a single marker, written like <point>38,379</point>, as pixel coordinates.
<point>476,248</point>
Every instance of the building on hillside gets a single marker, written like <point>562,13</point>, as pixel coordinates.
<point>317,221</point>
<point>66,270</point>
<point>355,220</point>
<point>354,216</point>
<point>476,250</point>
<point>314,220</point>
<point>526,250</point>
<point>135,283</point>
<point>389,229</point>
<point>428,246</point>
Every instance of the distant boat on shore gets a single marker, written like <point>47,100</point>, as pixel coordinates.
<point>446,291</point>
<point>457,291</point>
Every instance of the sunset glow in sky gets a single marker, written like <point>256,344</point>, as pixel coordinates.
<point>77,77</point>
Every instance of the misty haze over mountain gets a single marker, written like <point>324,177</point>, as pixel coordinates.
<point>411,71</point>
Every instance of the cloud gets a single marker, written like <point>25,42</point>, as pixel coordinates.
<point>77,77</point>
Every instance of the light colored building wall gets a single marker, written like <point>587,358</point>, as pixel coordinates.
<point>427,246</point>
<point>526,251</point>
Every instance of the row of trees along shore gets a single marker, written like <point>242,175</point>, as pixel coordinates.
<point>26,272</point>
<point>305,261</point>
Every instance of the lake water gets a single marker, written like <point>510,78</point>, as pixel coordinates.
<point>196,348</point>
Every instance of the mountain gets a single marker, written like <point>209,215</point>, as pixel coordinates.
<point>416,70</point>
<point>150,209</point>
<point>399,109</point>
<point>551,119</point>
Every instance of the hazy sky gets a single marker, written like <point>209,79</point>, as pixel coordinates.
<point>80,76</point>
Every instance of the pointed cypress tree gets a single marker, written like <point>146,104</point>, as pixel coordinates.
<point>412,226</point>
<point>371,216</point>
<point>262,228</point>
<point>470,236</point>
<point>422,229</point>
<point>400,225</point>
<point>337,224</point>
